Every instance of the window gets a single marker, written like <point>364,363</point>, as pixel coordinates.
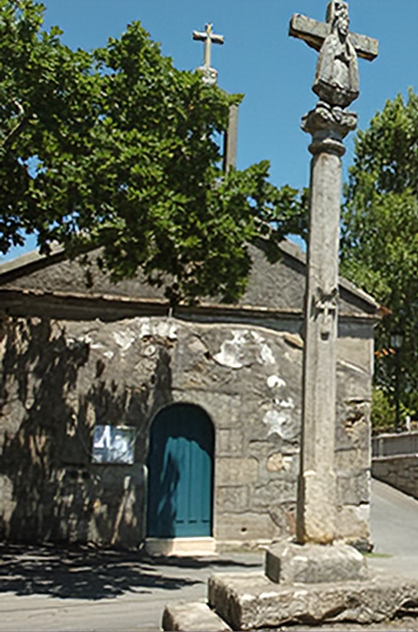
<point>114,444</point>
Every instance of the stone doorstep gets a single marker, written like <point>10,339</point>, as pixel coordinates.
<point>181,547</point>
<point>192,617</point>
<point>248,601</point>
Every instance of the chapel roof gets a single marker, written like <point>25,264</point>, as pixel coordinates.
<point>273,288</point>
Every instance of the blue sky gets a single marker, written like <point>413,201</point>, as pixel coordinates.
<point>274,71</point>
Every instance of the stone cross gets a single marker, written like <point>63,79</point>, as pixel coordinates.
<point>336,83</point>
<point>314,33</point>
<point>209,38</point>
<point>209,76</point>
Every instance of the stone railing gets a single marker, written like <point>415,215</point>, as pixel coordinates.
<point>395,461</point>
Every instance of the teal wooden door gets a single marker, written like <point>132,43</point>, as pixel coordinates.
<point>180,473</point>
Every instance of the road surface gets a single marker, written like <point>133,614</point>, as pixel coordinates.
<point>48,589</point>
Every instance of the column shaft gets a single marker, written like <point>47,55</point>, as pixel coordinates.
<point>317,485</point>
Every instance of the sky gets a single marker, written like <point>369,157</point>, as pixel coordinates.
<point>275,72</point>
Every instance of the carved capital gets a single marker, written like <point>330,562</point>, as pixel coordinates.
<point>328,126</point>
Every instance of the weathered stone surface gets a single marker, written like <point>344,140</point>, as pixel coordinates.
<point>284,489</point>
<point>232,499</point>
<point>399,471</point>
<point>230,442</point>
<point>314,34</point>
<point>316,518</point>
<point>352,459</point>
<point>336,83</point>
<point>64,377</point>
<point>192,616</point>
<point>279,463</point>
<point>251,601</point>
<point>249,527</point>
<point>290,563</point>
<point>353,522</point>
<point>74,357</point>
<point>353,488</point>
<point>236,471</point>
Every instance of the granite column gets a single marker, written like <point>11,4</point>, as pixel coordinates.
<point>316,512</point>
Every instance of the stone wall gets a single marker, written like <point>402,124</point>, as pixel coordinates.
<point>399,471</point>
<point>395,460</point>
<point>60,378</point>
<point>388,444</point>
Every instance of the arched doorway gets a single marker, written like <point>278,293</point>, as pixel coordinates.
<point>180,473</point>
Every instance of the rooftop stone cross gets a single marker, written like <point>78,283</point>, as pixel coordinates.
<point>209,38</point>
<point>209,77</point>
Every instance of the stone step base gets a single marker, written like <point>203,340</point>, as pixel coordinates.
<point>192,617</point>
<point>249,601</point>
<point>181,547</point>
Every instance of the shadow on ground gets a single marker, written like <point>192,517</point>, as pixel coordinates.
<point>90,574</point>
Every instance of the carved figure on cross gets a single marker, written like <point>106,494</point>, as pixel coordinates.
<point>325,306</point>
<point>209,38</point>
<point>336,80</point>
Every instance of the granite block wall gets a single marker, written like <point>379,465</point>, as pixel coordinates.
<point>61,378</point>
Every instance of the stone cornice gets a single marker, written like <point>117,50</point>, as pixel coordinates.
<point>18,301</point>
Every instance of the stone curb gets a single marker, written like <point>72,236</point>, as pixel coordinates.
<point>192,617</point>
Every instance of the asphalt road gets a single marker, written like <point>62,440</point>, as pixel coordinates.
<point>394,526</point>
<point>49,589</point>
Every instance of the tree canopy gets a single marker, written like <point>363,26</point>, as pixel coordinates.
<point>380,237</point>
<point>117,149</point>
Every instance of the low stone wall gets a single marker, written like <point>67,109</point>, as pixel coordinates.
<point>390,444</point>
<point>400,471</point>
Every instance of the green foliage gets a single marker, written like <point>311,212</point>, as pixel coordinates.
<point>116,149</point>
<point>383,414</point>
<point>45,104</point>
<point>380,236</point>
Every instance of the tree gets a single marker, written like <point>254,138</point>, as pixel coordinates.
<point>380,237</point>
<point>117,149</point>
<point>41,97</point>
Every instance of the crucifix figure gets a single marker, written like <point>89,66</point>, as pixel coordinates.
<point>209,38</point>
<point>336,80</point>
<point>314,33</point>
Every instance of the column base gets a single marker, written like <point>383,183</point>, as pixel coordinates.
<point>291,563</point>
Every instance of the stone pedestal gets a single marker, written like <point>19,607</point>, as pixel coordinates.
<point>290,563</point>
<point>251,602</point>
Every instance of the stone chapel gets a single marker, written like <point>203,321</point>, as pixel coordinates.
<point>125,423</point>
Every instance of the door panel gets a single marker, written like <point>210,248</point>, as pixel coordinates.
<point>180,478</point>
